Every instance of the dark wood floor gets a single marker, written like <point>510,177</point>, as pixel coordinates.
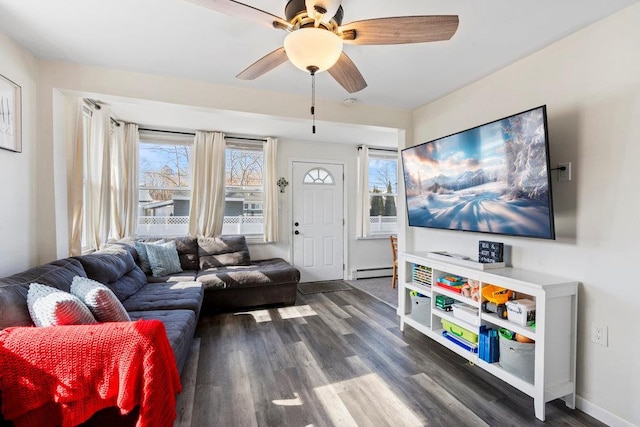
<point>339,359</point>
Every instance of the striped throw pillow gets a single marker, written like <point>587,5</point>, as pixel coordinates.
<point>102,302</point>
<point>50,307</point>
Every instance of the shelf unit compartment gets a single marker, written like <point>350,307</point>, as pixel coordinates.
<point>420,309</point>
<point>455,296</point>
<point>446,315</point>
<point>454,328</point>
<point>493,319</point>
<point>466,313</point>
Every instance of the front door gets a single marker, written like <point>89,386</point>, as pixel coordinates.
<point>318,220</point>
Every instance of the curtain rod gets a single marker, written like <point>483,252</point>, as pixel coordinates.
<point>168,131</point>
<point>391,150</point>
<point>193,134</point>
<point>99,107</point>
<point>245,139</point>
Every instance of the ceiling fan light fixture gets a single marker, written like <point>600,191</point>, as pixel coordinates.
<point>313,47</point>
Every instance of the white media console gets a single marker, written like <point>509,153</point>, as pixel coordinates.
<point>556,301</point>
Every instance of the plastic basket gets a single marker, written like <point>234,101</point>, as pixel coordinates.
<point>496,294</point>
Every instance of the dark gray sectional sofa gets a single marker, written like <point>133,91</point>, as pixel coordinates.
<point>231,279</point>
<point>207,282</point>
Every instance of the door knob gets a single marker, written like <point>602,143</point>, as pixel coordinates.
<point>296,232</point>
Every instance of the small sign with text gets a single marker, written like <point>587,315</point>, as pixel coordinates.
<point>490,252</point>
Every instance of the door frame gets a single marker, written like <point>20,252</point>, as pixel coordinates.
<point>345,210</point>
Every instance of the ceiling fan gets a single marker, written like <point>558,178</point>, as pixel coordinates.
<point>316,36</point>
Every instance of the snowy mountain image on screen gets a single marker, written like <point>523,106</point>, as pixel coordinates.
<point>492,178</point>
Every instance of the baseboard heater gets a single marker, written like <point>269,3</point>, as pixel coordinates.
<point>370,273</point>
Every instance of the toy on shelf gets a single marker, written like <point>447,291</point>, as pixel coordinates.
<point>471,289</point>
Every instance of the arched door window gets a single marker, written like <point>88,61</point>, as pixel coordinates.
<point>318,176</point>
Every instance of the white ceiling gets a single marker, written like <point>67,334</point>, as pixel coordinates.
<point>177,38</point>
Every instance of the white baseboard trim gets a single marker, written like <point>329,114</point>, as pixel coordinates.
<point>601,414</point>
<point>368,273</point>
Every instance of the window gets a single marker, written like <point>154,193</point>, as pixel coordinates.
<point>383,192</point>
<point>318,176</point>
<point>244,191</point>
<point>164,184</point>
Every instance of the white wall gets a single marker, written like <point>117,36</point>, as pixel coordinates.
<point>74,79</point>
<point>18,192</point>
<point>590,83</point>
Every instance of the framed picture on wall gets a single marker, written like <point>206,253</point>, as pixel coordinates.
<point>10,115</point>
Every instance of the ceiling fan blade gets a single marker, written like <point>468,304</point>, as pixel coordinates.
<point>241,10</point>
<point>347,74</point>
<point>401,29</point>
<point>264,64</point>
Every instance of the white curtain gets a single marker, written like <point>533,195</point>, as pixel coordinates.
<point>99,178</point>
<point>75,185</point>
<point>206,212</point>
<point>270,192</point>
<point>124,180</point>
<point>362,204</point>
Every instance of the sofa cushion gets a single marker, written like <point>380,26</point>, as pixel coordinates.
<point>164,259</point>
<point>51,307</point>
<point>13,289</point>
<point>183,276</point>
<point>223,251</point>
<point>180,326</point>
<point>166,296</point>
<point>102,303</point>
<point>115,268</point>
<point>259,273</point>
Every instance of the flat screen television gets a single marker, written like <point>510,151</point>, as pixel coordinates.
<point>493,178</point>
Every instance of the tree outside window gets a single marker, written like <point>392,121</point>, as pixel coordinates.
<point>244,189</point>
<point>164,188</point>
<point>383,192</point>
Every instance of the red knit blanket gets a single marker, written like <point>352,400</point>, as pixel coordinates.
<point>78,370</point>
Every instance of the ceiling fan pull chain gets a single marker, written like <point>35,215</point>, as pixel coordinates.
<point>313,70</point>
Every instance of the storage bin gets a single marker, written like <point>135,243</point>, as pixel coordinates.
<point>466,312</point>
<point>518,358</point>
<point>458,331</point>
<point>521,311</point>
<point>421,309</point>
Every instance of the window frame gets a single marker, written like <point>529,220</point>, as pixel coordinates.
<point>249,215</point>
<point>382,154</point>
<point>159,138</point>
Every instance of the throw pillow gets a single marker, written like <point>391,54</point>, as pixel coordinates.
<point>223,251</point>
<point>102,302</point>
<point>164,259</point>
<point>50,307</point>
<point>141,248</point>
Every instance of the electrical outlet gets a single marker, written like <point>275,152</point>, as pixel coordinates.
<point>600,334</point>
<point>564,175</point>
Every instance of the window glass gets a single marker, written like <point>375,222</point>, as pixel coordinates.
<point>244,191</point>
<point>318,176</point>
<point>383,192</point>
<point>164,188</point>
